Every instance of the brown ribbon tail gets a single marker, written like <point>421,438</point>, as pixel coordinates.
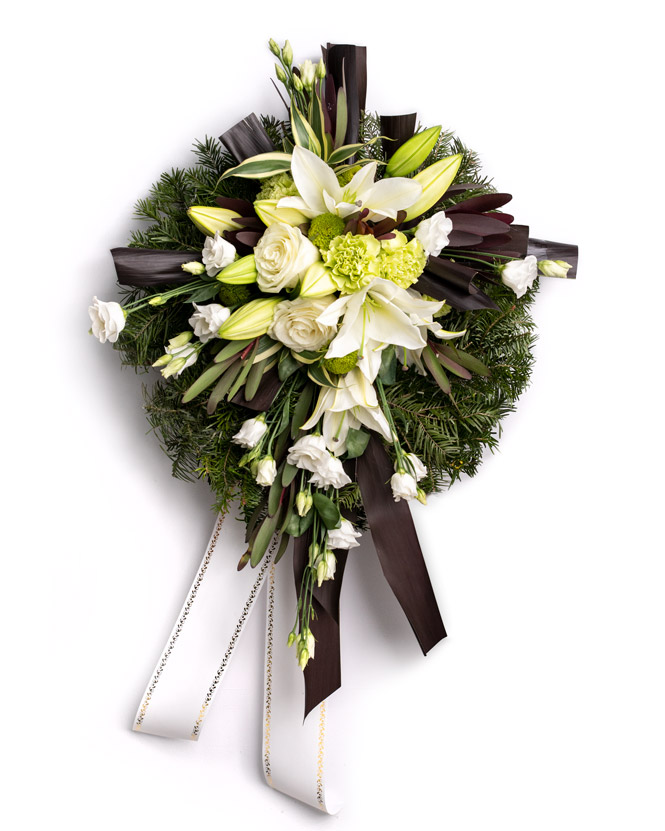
<point>148,267</point>
<point>397,545</point>
<point>323,674</point>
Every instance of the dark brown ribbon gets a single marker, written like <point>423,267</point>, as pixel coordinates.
<point>323,674</point>
<point>396,543</point>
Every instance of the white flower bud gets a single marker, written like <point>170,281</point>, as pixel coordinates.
<point>403,486</point>
<point>217,254</point>
<point>266,471</point>
<point>433,233</point>
<point>193,268</point>
<point>520,274</point>
<point>554,268</point>
<point>344,537</point>
<point>307,74</point>
<point>251,431</point>
<point>303,502</point>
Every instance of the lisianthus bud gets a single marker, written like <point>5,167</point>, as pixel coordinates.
<point>157,300</point>
<point>266,471</point>
<point>281,75</point>
<point>303,657</point>
<point>321,69</point>
<point>274,47</point>
<point>251,431</point>
<point>163,360</point>
<point>287,53</point>
<point>314,553</point>
<point>297,83</point>
<point>193,268</point>
<point>554,268</point>
<point>326,568</point>
<point>292,638</point>
<point>180,340</point>
<point>421,496</point>
<point>174,367</point>
<point>307,74</point>
<point>403,486</point>
<point>303,503</point>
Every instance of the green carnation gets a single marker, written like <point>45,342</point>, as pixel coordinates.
<point>230,295</point>
<point>324,229</point>
<point>275,187</point>
<point>345,177</point>
<point>340,366</point>
<point>402,264</point>
<point>353,261</point>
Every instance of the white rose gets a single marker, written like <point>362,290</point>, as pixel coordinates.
<point>266,471</point>
<point>344,537</point>
<point>282,256</point>
<point>108,320</point>
<point>520,274</point>
<point>419,469</point>
<point>325,570</point>
<point>251,432</point>
<point>295,324</point>
<point>207,320</point>
<point>308,453</point>
<point>217,254</point>
<point>330,473</point>
<point>404,486</point>
<point>432,233</point>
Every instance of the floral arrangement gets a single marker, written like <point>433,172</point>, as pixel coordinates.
<point>354,282</point>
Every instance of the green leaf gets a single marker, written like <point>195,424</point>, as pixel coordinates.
<point>208,377</point>
<point>356,442</point>
<point>301,411</point>
<point>413,152</point>
<point>283,543</point>
<point>253,380</point>
<point>343,153</point>
<point>464,359</point>
<point>316,119</point>
<point>342,117</point>
<point>321,377</point>
<point>231,348</point>
<point>262,541</point>
<point>287,365</point>
<point>303,133</point>
<point>260,166</point>
<point>222,386</point>
<point>204,293</point>
<point>388,368</point>
<point>288,474</point>
<point>436,370</point>
<point>453,366</point>
<point>275,493</point>
<point>244,372</point>
<point>297,525</point>
<point>327,510</point>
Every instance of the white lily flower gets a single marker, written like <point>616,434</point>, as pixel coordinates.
<point>352,403</point>
<point>380,313</point>
<point>321,193</point>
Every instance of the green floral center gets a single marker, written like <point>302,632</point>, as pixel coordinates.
<point>353,261</point>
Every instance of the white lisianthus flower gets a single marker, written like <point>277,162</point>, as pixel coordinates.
<point>217,254</point>
<point>266,471</point>
<point>282,256</point>
<point>419,470</point>
<point>251,432</point>
<point>520,274</point>
<point>330,474</point>
<point>207,319</point>
<point>554,268</point>
<point>108,320</point>
<point>404,486</point>
<point>308,453</point>
<point>295,324</point>
<point>433,233</point>
<point>344,537</point>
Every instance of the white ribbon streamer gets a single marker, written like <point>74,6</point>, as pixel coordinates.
<point>192,666</point>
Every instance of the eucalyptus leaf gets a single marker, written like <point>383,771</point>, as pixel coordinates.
<point>388,368</point>
<point>327,510</point>
<point>288,474</point>
<point>301,411</point>
<point>262,541</point>
<point>231,348</point>
<point>356,442</point>
<point>297,525</point>
<point>208,377</point>
<point>287,365</point>
<point>204,293</point>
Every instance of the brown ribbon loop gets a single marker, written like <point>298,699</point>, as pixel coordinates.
<point>323,674</point>
<point>397,545</point>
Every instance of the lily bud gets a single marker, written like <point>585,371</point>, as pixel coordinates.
<point>304,503</point>
<point>554,268</point>
<point>413,152</point>
<point>317,281</point>
<point>268,212</point>
<point>281,75</point>
<point>180,340</point>
<point>274,47</point>
<point>297,83</point>
<point>321,69</point>
<point>251,320</point>
<point>287,53</point>
<point>435,181</point>
<point>242,272</point>
<point>193,268</point>
<point>213,220</point>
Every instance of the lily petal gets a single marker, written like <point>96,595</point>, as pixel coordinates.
<point>312,176</point>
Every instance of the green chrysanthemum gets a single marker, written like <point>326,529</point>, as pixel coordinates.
<point>402,263</point>
<point>340,366</point>
<point>275,187</point>
<point>324,229</point>
<point>353,261</point>
<point>230,295</point>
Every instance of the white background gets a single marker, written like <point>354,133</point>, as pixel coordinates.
<point>543,709</point>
